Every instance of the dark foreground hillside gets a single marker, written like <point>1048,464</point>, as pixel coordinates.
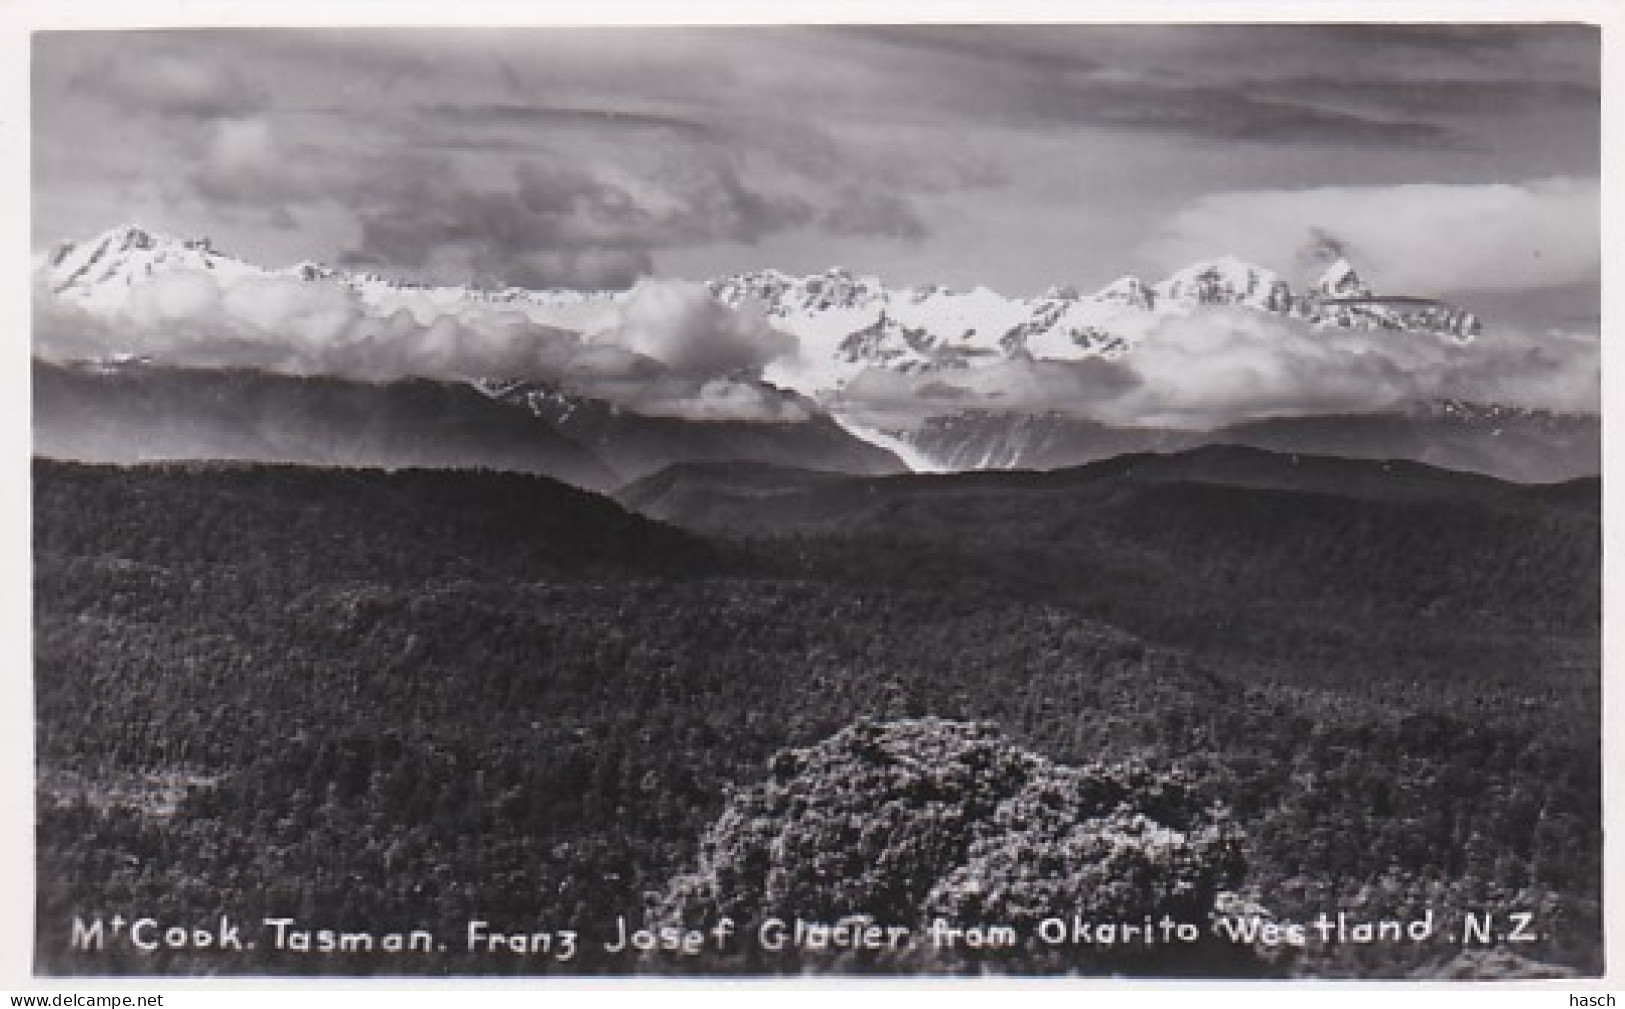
<point>388,704</point>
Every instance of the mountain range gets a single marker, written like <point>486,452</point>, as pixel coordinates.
<point>120,406</point>
<point>136,412</point>
<point>847,323</point>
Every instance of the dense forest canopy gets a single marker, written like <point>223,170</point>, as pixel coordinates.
<point>417,699</point>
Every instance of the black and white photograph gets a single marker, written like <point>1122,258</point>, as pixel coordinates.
<point>826,501</point>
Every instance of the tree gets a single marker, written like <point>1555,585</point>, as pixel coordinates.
<point>909,821</point>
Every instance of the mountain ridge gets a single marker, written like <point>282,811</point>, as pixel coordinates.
<point>1060,323</point>
<point>135,412</point>
<point>846,325</point>
<point>1242,466</point>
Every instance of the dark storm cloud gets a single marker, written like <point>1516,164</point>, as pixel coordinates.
<point>961,154</point>
<point>508,114</point>
<point>887,215</point>
<point>1333,85</point>
<point>248,162</point>
<point>1322,248</point>
<point>1233,114</point>
<point>170,81</point>
<point>1456,39</point>
<point>1026,76</point>
<point>557,225</point>
<point>1092,47</point>
<point>546,157</point>
<point>1036,49</point>
<point>1442,97</point>
<point>569,269</point>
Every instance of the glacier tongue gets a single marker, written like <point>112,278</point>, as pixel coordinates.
<point>914,457</point>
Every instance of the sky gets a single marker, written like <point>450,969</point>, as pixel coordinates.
<point>1451,161</point>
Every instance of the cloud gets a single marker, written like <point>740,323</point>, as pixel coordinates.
<point>1235,114</point>
<point>669,351</point>
<point>246,162</point>
<point>1558,371</point>
<point>960,154</point>
<point>724,399</point>
<point>1186,83</point>
<point>680,325</point>
<point>295,327</point>
<point>891,400</point>
<point>508,114</point>
<point>554,224</point>
<point>878,214</point>
<point>1224,367</point>
<point>172,83</point>
<point>1434,97</point>
<point>572,269</point>
<point>1411,239</point>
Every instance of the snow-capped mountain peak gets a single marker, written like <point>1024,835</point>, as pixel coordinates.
<point>1226,280</point>
<point>309,269</point>
<point>1131,291</point>
<point>844,321</point>
<point>126,239</point>
<point>99,273</point>
<point>1341,281</point>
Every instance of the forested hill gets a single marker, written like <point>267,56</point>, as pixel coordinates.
<point>409,700</point>
<point>1349,573</point>
<point>751,498</point>
<point>338,523</point>
<point>1384,536</point>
